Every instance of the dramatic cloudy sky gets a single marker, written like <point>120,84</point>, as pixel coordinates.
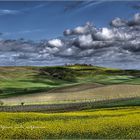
<point>104,33</point>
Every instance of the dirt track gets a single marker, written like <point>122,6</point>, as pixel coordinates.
<point>69,106</point>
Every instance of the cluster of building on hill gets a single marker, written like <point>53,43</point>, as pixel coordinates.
<point>76,64</point>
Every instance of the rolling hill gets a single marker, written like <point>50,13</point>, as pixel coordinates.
<point>66,83</point>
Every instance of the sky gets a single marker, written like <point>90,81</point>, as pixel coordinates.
<point>97,32</point>
<point>38,20</point>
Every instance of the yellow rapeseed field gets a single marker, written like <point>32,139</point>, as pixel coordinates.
<point>98,123</point>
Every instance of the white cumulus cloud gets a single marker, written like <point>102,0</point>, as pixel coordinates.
<point>55,43</point>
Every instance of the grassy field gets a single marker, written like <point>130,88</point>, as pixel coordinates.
<point>118,123</point>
